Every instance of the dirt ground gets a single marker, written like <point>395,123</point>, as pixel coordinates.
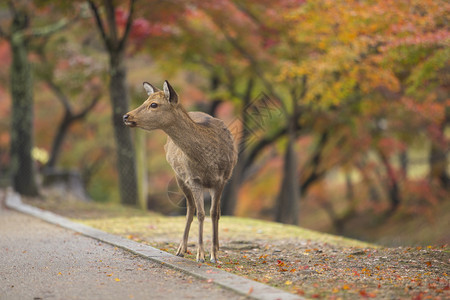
<point>327,271</point>
<point>307,263</point>
<point>319,270</point>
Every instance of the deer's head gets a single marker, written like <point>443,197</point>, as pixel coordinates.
<point>157,112</point>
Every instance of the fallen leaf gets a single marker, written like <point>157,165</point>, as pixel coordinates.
<point>117,279</point>
<point>250,290</point>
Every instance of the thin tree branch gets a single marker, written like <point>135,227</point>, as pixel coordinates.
<point>255,65</point>
<point>60,95</point>
<point>127,26</point>
<point>100,25</point>
<point>51,29</point>
<point>262,144</point>
<point>86,110</point>
<point>315,161</point>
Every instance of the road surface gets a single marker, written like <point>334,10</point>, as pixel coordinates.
<point>43,261</point>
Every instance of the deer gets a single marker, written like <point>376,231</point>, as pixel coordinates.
<point>201,151</point>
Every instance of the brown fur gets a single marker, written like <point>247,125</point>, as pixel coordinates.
<point>200,150</point>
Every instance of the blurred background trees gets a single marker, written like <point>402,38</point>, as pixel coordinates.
<point>340,109</point>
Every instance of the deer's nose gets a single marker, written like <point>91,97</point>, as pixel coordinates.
<point>125,117</point>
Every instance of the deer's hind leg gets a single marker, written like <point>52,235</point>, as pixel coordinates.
<point>189,216</point>
<point>216,194</point>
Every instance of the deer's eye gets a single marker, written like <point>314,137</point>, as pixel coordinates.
<point>154,105</point>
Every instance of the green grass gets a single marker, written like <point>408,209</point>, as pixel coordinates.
<point>151,226</point>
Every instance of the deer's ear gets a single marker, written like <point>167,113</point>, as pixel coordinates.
<point>170,93</point>
<point>150,89</point>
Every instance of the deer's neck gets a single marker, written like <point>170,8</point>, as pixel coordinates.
<point>189,136</point>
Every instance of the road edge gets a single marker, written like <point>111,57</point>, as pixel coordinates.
<point>240,285</point>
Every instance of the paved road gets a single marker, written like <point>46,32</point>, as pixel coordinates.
<point>42,261</point>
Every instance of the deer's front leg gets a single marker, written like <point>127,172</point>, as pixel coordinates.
<point>182,249</point>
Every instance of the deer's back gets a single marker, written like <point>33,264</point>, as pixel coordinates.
<point>211,154</point>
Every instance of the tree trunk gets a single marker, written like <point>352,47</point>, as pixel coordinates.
<point>404,163</point>
<point>392,184</point>
<point>287,207</point>
<point>126,161</point>
<point>438,157</point>
<point>22,166</point>
<point>438,162</point>
<point>231,190</point>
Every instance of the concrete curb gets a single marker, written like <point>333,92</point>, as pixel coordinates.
<point>227,280</point>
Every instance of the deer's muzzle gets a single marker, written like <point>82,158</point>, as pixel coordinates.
<point>127,122</point>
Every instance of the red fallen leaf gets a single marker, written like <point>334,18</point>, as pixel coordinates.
<point>250,290</point>
<point>300,292</point>
<point>428,263</point>
<point>365,294</point>
<point>356,273</point>
<point>315,296</point>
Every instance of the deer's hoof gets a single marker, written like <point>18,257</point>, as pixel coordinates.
<point>200,260</point>
<point>180,254</point>
<point>213,260</point>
